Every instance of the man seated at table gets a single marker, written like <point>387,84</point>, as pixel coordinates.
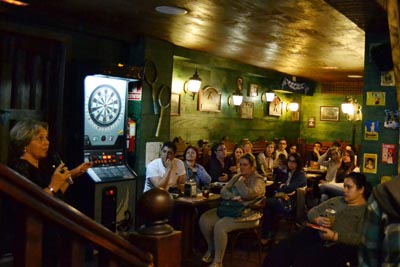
<point>313,156</point>
<point>167,171</point>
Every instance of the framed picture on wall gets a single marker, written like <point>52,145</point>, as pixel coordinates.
<point>387,78</point>
<point>329,113</point>
<point>175,104</point>
<point>370,163</point>
<point>295,115</point>
<point>253,89</point>
<point>311,122</point>
<point>247,110</point>
<point>388,153</point>
<point>275,107</point>
<point>209,100</point>
<point>376,98</point>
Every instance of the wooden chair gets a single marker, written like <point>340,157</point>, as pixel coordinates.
<point>255,231</point>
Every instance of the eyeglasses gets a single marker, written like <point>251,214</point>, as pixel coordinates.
<point>282,143</point>
<point>292,161</point>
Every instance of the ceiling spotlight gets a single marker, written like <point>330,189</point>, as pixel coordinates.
<point>171,10</point>
<point>15,2</point>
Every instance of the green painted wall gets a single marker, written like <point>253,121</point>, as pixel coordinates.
<point>372,82</point>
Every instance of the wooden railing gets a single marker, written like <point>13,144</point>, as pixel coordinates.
<point>39,208</point>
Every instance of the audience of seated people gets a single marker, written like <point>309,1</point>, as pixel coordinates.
<point>244,188</point>
<point>313,156</point>
<point>234,159</point>
<point>329,243</point>
<point>282,202</point>
<point>218,165</point>
<point>335,187</point>
<point>282,144</point>
<point>167,171</point>
<point>194,169</point>
<point>266,159</point>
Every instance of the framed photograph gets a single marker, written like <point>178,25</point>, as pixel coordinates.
<point>275,107</point>
<point>371,130</point>
<point>295,115</point>
<point>370,163</point>
<point>329,113</point>
<point>247,110</point>
<point>175,104</point>
<point>311,122</point>
<point>388,153</point>
<point>376,98</point>
<point>209,99</point>
<point>239,84</point>
<point>253,89</point>
<point>387,78</point>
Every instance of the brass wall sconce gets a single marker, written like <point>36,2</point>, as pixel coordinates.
<point>235,100</point>
<point>193,85</point>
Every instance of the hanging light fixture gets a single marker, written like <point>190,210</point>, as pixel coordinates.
<point>193,85</point>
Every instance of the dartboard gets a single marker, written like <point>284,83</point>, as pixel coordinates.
<point>104,105</point>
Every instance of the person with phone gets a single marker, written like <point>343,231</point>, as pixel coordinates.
<point>327,243</point>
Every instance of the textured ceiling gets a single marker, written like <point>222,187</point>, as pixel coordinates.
<point>307,38</point>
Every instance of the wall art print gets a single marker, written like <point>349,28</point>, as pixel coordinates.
<point>388,153</point>
<point>370,163</point>
<point>371,130</point>
<point>376,98</point>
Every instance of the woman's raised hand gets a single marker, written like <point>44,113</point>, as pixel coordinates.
<point>60,176</point>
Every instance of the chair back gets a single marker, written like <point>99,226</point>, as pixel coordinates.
<point>301,209</point>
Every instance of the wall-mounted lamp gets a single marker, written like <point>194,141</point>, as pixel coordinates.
<point>235,100</point>
<point>353,113</point>
<point>193,85</point>
<point>267,97</point>
<point>293,106</point>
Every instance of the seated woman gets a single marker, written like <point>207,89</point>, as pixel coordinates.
<point>331,159</point>
<point>331,244</point>
<point>218,165</point>
<point>282,202</point>
<point>265,160</point>
<point>200,174</point>
<point>335,187</point>
<point>234,160</point>
<point>244,187</point>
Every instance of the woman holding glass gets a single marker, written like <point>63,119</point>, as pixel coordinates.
<point>244,188</point>
<point>328,242</point>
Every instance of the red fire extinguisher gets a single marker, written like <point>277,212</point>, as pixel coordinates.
<point>131,135</point>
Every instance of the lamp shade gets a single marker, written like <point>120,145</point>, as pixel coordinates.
<point>237,100</point>
<point>293,106</point>
<point>269,96</point>
<point>194,83</point>
<point>348,108</point>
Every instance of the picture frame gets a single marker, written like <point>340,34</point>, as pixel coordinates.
<point>311,122</point>
<point>209,99</point>
<point>387,78</point>
<point>295,115</point>
<point>247,110</point>
<point>370,163</point>
<point>329,113</point>
<point>388,153</point>
<point>175,104</point>
<point>253,90</point>
<point>371,131</point>
<point>275,107</point>
<point>376,99</point>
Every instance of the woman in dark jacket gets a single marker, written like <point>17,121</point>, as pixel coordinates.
<point>281,202</point>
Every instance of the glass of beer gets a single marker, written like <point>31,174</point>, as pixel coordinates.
<point>205,190</point>
<point>331,215</point>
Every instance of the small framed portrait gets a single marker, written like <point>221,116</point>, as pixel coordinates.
<point>329,113</point>
<point>239,84</point>
<point>209,99</point>
<point>387,78</point>
<point>371,130</point>
<point>275,107</point>
<point>175,104</point>
<point>247,110</point>
<point>311,122</point>
<point>388,153</point>
<point>253,89</point>
<point>376,98</point>
<point>295,115</point>
<point>370,163</point>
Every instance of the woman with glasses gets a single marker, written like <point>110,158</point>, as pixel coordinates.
<point>335,187</point>
<point>282,202</point>
<point>218,165</point>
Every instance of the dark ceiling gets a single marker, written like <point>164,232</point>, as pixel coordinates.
<point>315,39</point>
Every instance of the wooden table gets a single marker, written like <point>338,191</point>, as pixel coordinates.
<point>186,219</point>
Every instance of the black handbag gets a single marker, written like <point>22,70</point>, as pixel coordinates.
<point>230,208</point>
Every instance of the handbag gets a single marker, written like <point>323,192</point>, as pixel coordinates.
<point>230,208</point>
